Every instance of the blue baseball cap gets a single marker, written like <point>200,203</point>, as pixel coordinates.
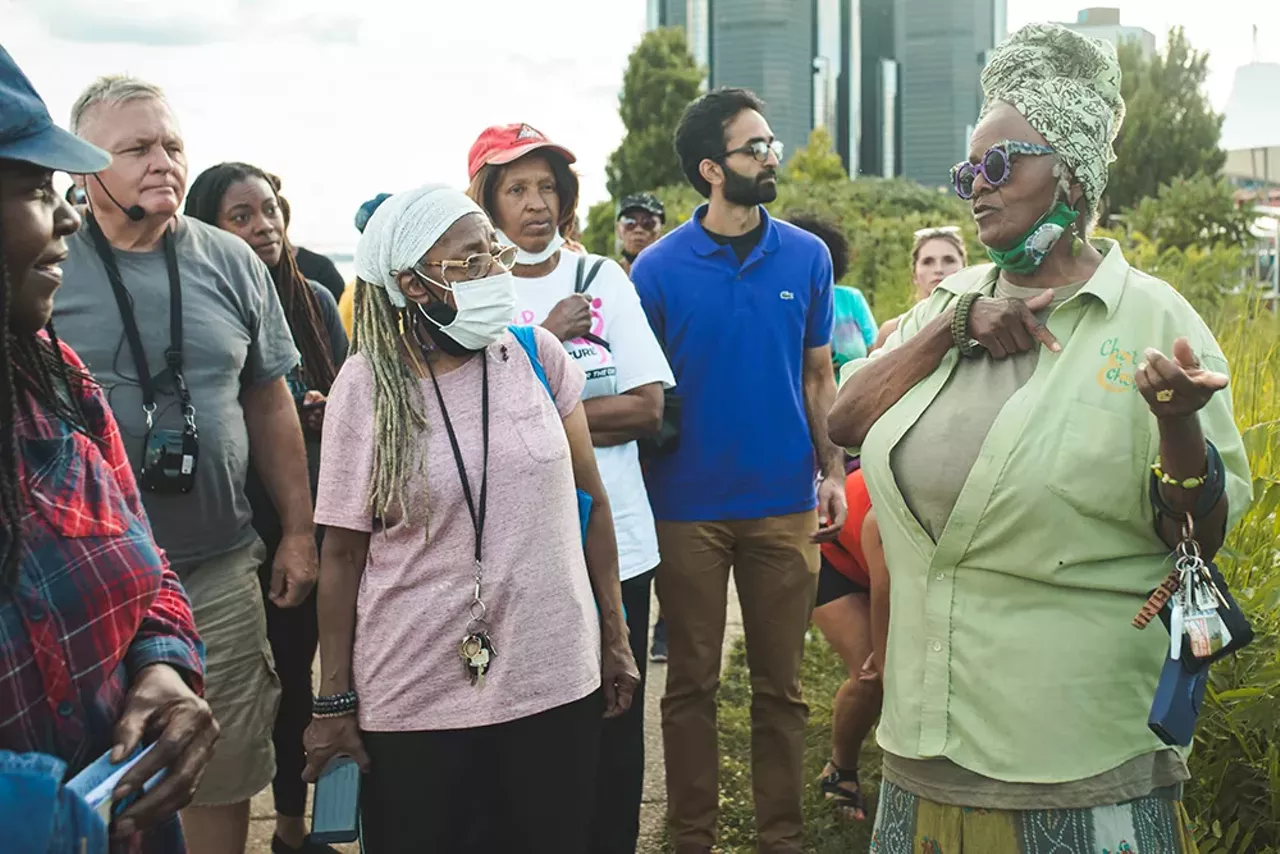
<point>366,210</point>
<point>27,132</point>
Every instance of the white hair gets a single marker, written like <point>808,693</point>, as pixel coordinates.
<point>112,89</point>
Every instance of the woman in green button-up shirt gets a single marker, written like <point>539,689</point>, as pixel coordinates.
<point>1010,484</point>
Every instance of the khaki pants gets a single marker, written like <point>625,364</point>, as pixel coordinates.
<point>775,569</point>
<point>240,682</point>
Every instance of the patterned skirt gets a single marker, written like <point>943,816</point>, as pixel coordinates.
<point>907,824</point>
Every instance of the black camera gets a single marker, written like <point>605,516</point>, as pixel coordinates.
<point>169,461</point>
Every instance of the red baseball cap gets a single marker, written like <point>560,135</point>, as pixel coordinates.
<point>503,144</point>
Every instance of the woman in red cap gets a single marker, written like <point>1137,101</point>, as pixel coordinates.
<point>525,183</point>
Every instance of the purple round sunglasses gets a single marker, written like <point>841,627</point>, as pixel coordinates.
<point>995,166</point>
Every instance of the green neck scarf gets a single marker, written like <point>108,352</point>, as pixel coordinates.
<point>1029,253</point>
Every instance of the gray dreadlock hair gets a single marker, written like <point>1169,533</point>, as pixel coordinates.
<point>397,401</point>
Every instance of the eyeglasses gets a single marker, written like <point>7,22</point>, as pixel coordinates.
<point>644,222</point>
<point>476,266</point>
<point>939,231</point>
<point>996,165</point>
<point>759,149</point>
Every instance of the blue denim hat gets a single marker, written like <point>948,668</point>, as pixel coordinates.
<point>27,132</point>
<point>39,814</point>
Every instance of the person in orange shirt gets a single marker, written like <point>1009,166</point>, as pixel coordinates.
<point>853,615</point>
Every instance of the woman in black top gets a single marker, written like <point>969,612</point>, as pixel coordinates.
<point>245,201</point>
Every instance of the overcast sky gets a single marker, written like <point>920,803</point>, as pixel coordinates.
<point>347,98</point>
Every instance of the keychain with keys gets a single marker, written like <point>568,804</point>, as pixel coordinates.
<point>477,650</point>
<point>477,653</point>
<point>1194,608</point>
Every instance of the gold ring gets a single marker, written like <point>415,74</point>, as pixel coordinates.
<point>1164,395</point>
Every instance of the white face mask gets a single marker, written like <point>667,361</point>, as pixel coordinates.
<point>528,259</point>
<point>485,309</point>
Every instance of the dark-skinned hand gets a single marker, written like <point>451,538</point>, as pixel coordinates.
<point>1177,387</point>
<point>571,318</point>
<point>619,676</point>
<point>312,417</point>
<point>1006,326</point>
<point>326,738</point>
<point>161,707</point>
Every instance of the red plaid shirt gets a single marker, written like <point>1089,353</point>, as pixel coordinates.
<point>96,601</point>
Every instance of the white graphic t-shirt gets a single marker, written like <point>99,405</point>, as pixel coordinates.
<point>632,359</point>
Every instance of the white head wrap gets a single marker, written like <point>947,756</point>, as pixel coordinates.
<point>401,231</point>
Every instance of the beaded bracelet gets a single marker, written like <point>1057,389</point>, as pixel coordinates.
<point>1168,480</point>
<point>1215,485</point>
<point>335,705</point>
<point>960,325</point>
<point>321,717</point>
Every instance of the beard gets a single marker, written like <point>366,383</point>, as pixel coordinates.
<point>749,192</point>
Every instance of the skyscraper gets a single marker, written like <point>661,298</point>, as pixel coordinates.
<point>800,56</point>
<point>941,47</point>
<point>666,13</point>
<point>880,148</point>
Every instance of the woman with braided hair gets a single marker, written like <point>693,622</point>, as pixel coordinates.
<point>246,201</point>
<point>470,642</point>
<point>97,642</point>
<point>1033,455</point>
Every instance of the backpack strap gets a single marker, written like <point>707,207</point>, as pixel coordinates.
<point>581,285</point>
<point>582,281</point>
<point>529,343</point>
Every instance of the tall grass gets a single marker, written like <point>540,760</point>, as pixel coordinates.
<point>1234,796</point>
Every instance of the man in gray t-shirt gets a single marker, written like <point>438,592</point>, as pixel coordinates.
<point>236,352</point>
<point>234,337</point>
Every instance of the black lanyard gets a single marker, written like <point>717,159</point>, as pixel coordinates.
<point>477,516</point>
<point>173,355</point>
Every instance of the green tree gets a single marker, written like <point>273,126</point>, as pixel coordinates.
<point>1190,211</point>
<point>1170,129</point>
<point>817,162</point>
<point>662,77</point>
<point>598,236</point>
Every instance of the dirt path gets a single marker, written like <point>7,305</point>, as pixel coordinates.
<point>652,809</point>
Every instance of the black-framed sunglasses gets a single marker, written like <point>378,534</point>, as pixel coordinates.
<point>759,149</point>
<point>995,166</point>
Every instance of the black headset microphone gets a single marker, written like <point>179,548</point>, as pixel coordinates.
<point>136,213</point>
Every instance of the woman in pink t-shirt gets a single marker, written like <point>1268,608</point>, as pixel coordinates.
<point>469,643</point>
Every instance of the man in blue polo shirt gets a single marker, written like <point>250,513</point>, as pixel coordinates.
<point>742,302</point>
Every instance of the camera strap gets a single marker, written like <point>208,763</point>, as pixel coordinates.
<point>172,355</point>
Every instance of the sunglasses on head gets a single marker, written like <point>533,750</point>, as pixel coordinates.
<point>939,231</point>
<point>995,166</point>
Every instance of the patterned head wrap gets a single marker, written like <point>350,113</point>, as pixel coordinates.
<point>1067,86</point>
